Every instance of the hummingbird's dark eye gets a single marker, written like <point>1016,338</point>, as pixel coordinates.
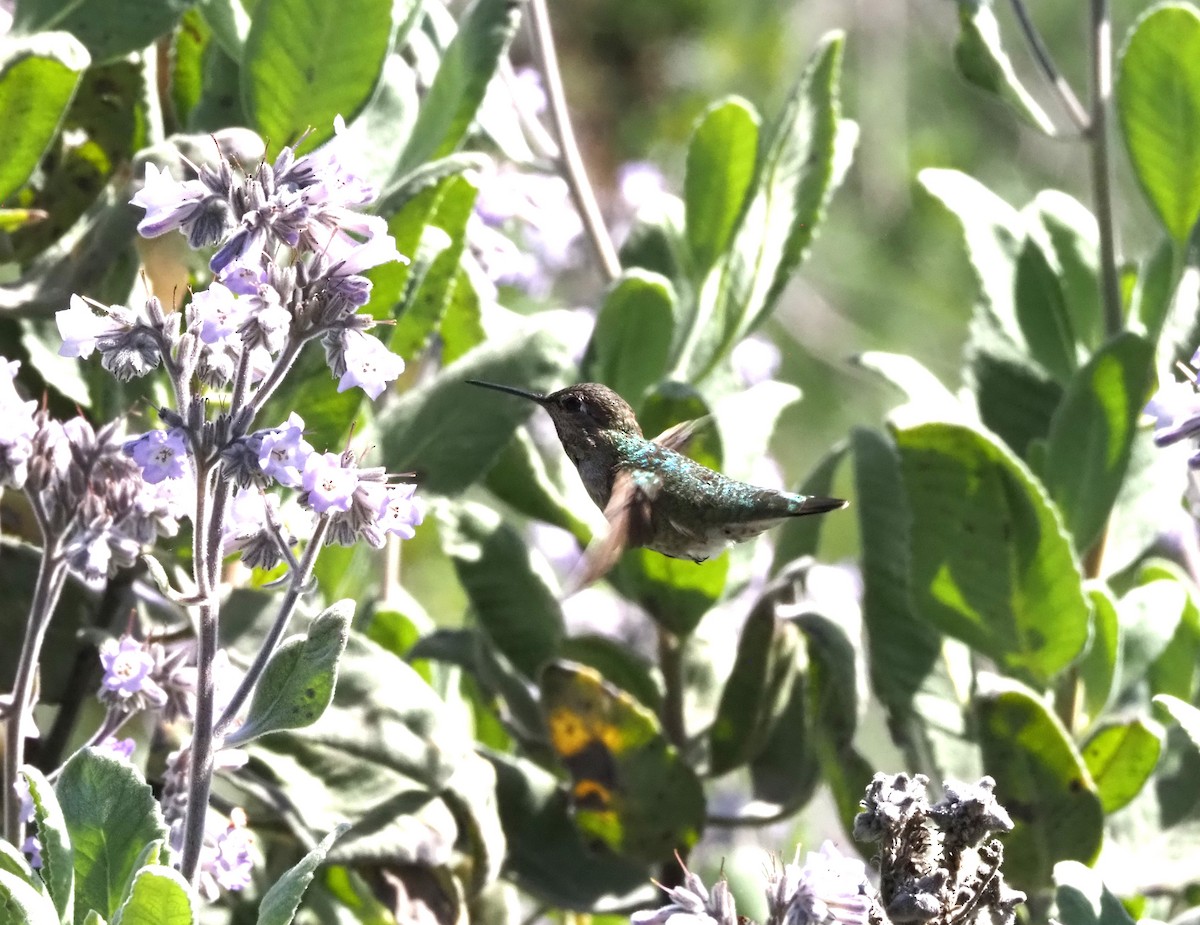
<point>574,404</point>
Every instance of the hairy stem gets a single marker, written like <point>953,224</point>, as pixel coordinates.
<point>670,663</point>
<point>299,581</point>
<point>52,573</point>
<point>1041,54</point>
<point>569,158</point>
<point>1101,78</point>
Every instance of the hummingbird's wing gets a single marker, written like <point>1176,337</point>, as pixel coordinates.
<point>628,512</point>
<point>679,436</point>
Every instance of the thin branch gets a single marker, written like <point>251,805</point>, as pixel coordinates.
<point>1101,33</point>
<point>1041,54</point>
<point>570,160</point>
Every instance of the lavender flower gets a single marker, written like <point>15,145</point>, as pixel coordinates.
<point>283,451</point>
<point>829,889</point>
<point>31,846</point>
<point>328,484</point>
<point>80,328</point>
<point>127,681</point>
<point>216,313</point>
<point>161,454</point>
<point>1176,410</point>
<point>365,363</point>
<point>117,748</point>
<point>195,207</point>
<point>692,904</point>
<point>226,861</point>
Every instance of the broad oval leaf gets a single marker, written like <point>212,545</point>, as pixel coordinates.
<point>547,855</point>
<point>981,59</point>
<point>1082,898</point>
<point>22,904</point>
<point>38,79</point>
<point>758,689</point>
<point>902,648</point>
<point>720,167</point>
<point>1091,434</point>
<point>111,816</point>
<point>1186,715</point>
<point>632,338</point>
<point>1040,779</point>
<point>1158,100</point>
<point>991,564</point>
<point>1042,312</point>
<point>297,684</point>
<point>58,860</point>
<point>157,896</point>
<point>109,29</point>
<point>301,67</point>
<point>1121,757</point>
<point>1098,667</point>
<point>450,434</point>
<point>510,590</point>
<point>468,63</point>
<point>631,789</point>
<point>278,906</point>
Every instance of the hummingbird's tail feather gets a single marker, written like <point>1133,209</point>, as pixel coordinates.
<point>815,505</point>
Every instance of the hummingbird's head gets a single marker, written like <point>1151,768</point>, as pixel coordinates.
<point>580,411</point>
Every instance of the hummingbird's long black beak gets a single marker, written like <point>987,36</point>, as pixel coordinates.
<point>521,393</point>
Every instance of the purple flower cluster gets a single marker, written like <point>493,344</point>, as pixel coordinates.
<point>1176,410</point>
<point>91,500</point>
<point>828,889</point>
<point>360,503</point>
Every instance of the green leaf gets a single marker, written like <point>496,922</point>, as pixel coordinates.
<point>798,537</point>
<point>22,904</point>
<point>1098,667</point>
<point>746,421</point>
<point>787,769</point>
<point>993,233</point>
<point>835,687</point>
<point>1157,276</point>
<point>547,857</point>
<point>928,398</point>
<point>1150,614</point>
<point>1070,240</point>
<point>435,273</point>
<point>297,684</point>
<point>676,592</point>
<point>510,590</point>
<point>1121,757</point>
<point>1042,312</point>
<point>1040,779</point>
<point>1016,398</point>
<point>38,78</point>
<point>799,167</point>
<point>520,478</point>
<point>109,29</point>
<point>301,67</point>
<point>901,647</point>
<point>991,564</point>
<point>632,338</point>
<point>229,22</point>
<point>278,906</point>
<point>1158,101</point>
<point>1083,899</point>
<point>758,689</point>
<point>471,796</point>
<point>1186,715</point>
<point>720,167</point>
<point>981,59</point>
<point>631,789</point>
<point>447,431</point>
<point>58,860</point>
<point>462,322</point>
<point>13,861</point>
<point>618,665</point>
<point>111,816</point>
<point>157,896</point>
<point>485,30</point>
<point>1091,434</point>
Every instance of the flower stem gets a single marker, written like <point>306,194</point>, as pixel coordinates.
<point>670,663</point>
<point>569,159</point>
<point>52,573</point>
<point>299,581</point>
<point>1041,54</point>
<point>1101,80</point>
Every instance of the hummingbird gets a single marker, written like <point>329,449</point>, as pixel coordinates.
<point>651,494</point>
